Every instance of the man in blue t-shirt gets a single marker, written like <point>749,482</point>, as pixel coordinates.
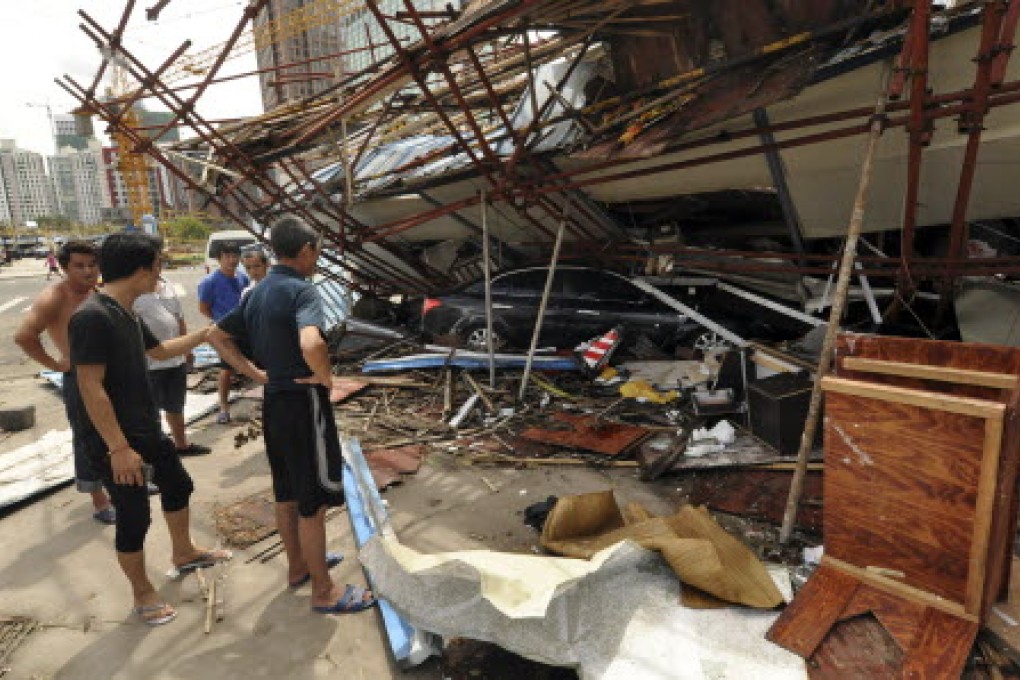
<point>218,295</point>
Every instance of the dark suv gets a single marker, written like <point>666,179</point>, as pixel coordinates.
<point>583,304</point>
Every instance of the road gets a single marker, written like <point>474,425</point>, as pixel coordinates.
<point>16,295</point>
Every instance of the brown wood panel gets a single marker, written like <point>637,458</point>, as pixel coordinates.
<point>859,648</point>
<point>586,432</point>
<point>897,615</point>
<point>941,647</point>
<point>901,489</point>
<point>964,356</point>
<point>758,493</point>
<point>806,621</point>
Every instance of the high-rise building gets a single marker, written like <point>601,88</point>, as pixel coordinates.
<point>77,182</point>
<point>71,133</point>
<point>114,190</point>
<point>29,192</point>
<point>364,39</point>
<point>289,83</point>
<point>5,208</point>
<point>62,176</point>
<point>157,119</point>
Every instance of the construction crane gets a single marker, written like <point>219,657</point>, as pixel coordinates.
<point>288,25</point>
<point>132,165</point>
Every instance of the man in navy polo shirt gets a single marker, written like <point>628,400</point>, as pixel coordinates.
<point>218,295</point>
<point>282,320</point>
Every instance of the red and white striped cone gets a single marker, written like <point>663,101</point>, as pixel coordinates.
<point>598,352</point>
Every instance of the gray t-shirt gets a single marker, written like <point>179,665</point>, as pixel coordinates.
<point>161,312</point>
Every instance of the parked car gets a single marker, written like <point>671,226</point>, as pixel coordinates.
<point>239,238</point>
<point>583,303</point>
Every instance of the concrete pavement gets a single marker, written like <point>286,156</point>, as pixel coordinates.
<point>59,568</point>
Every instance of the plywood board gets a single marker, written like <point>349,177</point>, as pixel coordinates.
<point>760,494</point>
<point>901,485</point>
<point>959,356</point>
<point>588,433</point>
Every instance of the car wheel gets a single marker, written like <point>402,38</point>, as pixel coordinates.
<point>476,339</point>
<point>708,341</point>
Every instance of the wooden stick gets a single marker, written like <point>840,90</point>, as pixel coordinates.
<point>478,390</point>
<point>203,585</point>
<point>210,606</point>
<point>543,303</point>
<point>846,267</point>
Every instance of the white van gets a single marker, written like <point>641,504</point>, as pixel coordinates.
<point>238,237</point>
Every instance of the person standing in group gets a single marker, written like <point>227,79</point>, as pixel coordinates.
<point>50,313</point>
<point>52,265</point>
<point>168,378</point>
<point>218,295</point>
<point>282,321</point>
<point>117,417</point>
<point>256,265</point>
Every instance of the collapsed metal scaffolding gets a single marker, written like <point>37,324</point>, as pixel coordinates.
<point>467,74</point>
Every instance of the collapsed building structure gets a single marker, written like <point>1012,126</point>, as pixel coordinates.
<point>646,128</point>
<point>653,136</point>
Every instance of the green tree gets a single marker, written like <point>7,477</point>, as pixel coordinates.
<point>187,228</point>
<point>55,223</point>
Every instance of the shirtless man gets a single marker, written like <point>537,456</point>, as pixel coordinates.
<point>50,313</point>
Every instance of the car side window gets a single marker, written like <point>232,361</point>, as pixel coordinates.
<point>529,283</point>
<point>587,284</point>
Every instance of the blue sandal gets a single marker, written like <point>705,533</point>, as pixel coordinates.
<point>353,600</point>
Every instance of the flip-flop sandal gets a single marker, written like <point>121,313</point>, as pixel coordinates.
<point>332,559</point>
<point>143,610</point>
<point>353,600</point>
<point>206,560</point>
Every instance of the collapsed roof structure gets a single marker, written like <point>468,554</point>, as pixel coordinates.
<point>613,118</point>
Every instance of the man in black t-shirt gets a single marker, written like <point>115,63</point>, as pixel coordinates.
<point>118,420</point>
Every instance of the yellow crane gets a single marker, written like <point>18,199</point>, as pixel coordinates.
<point>288,25</point>
<point>132,165</point>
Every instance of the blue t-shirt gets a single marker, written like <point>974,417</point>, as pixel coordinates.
<point>221,292</point>
<point>270,318</point>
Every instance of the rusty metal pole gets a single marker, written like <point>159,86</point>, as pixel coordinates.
<point>846,268</point>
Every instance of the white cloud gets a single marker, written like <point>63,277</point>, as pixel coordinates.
<point>42,41</point>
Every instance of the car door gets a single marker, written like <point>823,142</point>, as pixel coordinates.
<point>604,300</point>
<point>518,302</point>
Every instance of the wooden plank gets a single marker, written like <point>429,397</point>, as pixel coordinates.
<point>806,621</point>
<point>927,372</point>
<point>966,356</point>
<point>983,516</point>
<point>903,395</point>
<point>900,490</point>
<point>941,647</point>
<point>897,588</point>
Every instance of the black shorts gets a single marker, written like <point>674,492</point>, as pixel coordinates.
<point>303,448</point>
<point>169,388</point>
